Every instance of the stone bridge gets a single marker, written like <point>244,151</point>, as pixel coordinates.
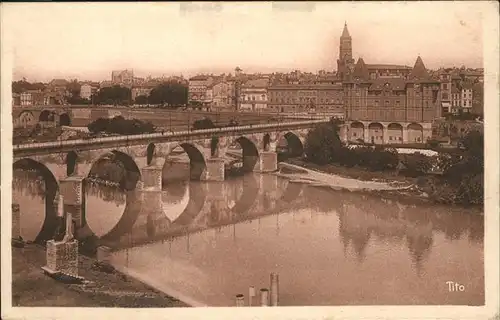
<point>26,117</point>
<point>144,157</point>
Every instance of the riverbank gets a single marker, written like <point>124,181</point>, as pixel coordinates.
<point>384,184</point>
<point>32,288</point>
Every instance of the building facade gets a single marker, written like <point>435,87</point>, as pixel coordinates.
<point>123,77</point>
<point>388,71</point>
<point>446,92</point>
<point>200,90</point>
<point>391,110</point>
<point>87,90</point>
<point>223,94</point>
<point>32,98</point>
<point>300,98</point>
<point>254,95</point>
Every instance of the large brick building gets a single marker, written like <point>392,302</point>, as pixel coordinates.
<point>387,103</point>
<point>314,97</point>
<point>391,110</point>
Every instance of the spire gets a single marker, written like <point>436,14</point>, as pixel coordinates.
<point>360,70</point>
<point>419,71</point>
<point>345,32</point>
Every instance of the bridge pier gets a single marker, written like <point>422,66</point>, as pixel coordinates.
<point>16,221</point>
<point>214,170</point>
<point>152,216</point>
<point>267,162</point>
<point>217,199</point>
<point>151,178</point>
<point>73,191</point>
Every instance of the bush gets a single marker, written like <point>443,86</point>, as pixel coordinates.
<point>432,143</point>
<point>416,164</point>
<point>120,125</point>
<point>471,189</point>
<point>322,143</point>
<point>205,123</point>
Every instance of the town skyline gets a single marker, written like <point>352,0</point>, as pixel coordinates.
<point>229,37</point>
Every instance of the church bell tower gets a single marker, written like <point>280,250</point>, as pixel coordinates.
<point>345,62</point>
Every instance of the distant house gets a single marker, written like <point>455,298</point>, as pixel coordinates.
<point>124,77</point>
<point>200,90</point>
<point>87,90</point>
<point>31,98</point>
<point>253,95</point>
<point>141,91</point>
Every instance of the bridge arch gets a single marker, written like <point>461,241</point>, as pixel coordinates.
<point>44,115</point>
<point>116,166</point>
<point>249,151</point>
<point>415,132</point>
<point>376,132</point>
<point>196,156</point>
<point>64,119</point>
<point>49,224</point>
<point>294,144</point>
<point>26,119</point>
<point>395,132</point>
<point>356,131</point>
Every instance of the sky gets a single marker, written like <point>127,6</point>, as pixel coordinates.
<point>89,40</point>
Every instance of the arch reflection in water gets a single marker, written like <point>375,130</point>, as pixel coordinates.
<point>34,184</point>
<point>185,206</point>
<point>391,244</point>
<point>105,206</point>
<point>28,190</point>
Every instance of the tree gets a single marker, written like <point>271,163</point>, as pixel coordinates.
<point>322,143</point>
<point>141,100</point>
<point>74,88</point>
<point>416,164</point>
<point>23,85</point>
<point>114,95</point>
<point>170,93</point>
<point>99,125</point>
<point>121,125</point>
<point>205,123</point>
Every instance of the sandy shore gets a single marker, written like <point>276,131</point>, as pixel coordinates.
<point>300,174</point>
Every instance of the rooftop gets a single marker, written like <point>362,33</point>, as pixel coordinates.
<point>387,67</point>
<point>256,83</point>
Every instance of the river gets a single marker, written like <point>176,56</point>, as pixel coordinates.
<point>206,242</point>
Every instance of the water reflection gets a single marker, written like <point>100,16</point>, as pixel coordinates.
<point>105,206</point>
<point>332,239</point>
<point>230,235</point>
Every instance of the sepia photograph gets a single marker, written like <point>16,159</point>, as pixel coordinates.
<point>180,159</point>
